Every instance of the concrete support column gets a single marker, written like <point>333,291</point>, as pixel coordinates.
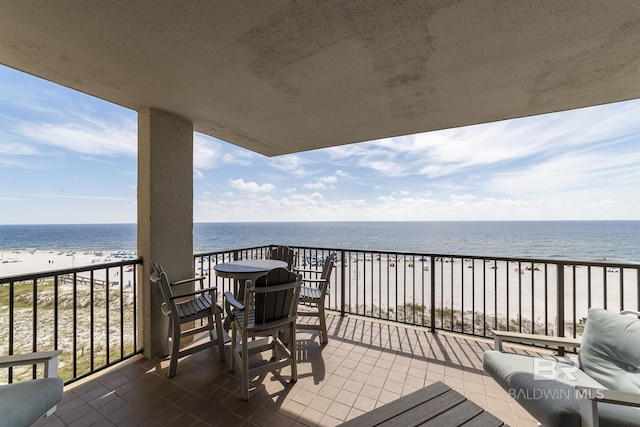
<point>165,214</point>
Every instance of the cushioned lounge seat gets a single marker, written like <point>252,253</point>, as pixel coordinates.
<point>22,404</point>
<point>609,360</point>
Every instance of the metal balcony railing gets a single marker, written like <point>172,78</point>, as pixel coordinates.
<point>91,313</point>
<point>458,293</point>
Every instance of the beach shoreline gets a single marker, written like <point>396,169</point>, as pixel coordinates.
<point>18,262</point>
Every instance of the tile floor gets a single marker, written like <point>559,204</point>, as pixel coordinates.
<point>366,364</point>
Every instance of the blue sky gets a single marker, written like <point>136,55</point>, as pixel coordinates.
<point>66,157</point>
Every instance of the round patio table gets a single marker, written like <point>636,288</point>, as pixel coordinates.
<point>242,271</point>
<point>249,269</point>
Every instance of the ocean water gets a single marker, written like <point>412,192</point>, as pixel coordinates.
<point>578,240</point>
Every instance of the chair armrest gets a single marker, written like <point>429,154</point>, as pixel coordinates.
<point>590,396</point>
<point>195,292</point>
<point>500,336</point>
<point>49,358</point>
<point>635,313</point>
<point>609,396</point>
<point>193,279</point>
<point>316,281</point>
<point>231,300</point>
<point>297,270</point>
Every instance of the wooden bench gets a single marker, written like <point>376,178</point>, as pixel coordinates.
<point>435,405</point>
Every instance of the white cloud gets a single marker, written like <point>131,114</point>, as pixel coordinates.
<point>16,148</point>
<point>303,200</point>
<point>251,186</point>
<point>315,185</point>
<point>292,163</point>
<point>461,197</point>
<point>85,135</point>
<point>329,179</point>
<point>209,153</point>
<point>79,197</point>
<point>322,183</point>
<point>446,152</point>
<point>206,153</point>
<point>572,171</point>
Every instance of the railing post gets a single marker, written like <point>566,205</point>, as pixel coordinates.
<point>560,302</point>
<point>432,270</point>
<point>343,290</point>
<point>637,288</point>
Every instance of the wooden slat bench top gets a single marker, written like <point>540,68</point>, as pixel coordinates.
<point>435,405</point>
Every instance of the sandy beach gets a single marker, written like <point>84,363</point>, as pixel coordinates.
<point>24,262</point>
<point>496,288</point>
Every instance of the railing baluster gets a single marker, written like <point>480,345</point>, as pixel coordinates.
<point>637,289</point>
<point>573,270</point>
<point>519,295</point>
<point>394,283</point>
<point>388,287</point>
<point>422,287</point>
<point>75,325</point>
<point>589,286</point>
<point>621,272</point>
<point>495,295</point>
<point>121,275</point>
<point>56,312</point>
<point>343,290</point>
<point>135,308</point>
<point>533,300</point>
<point>432,271</point>
<point>92,319</point>
<point>461,295</point>
<point>484,298</point>
<point>404,289</point>
<point>34,346</point>
<point>108,317</point>
<point>546,298</point>
<point>560,300</point>
<point>473,298</point>
<point>11,323</point>
<point>604,285</point>
<point>452,306</point>
<point>379,284</point>
<point>413,292</point>
<point>506,271</point>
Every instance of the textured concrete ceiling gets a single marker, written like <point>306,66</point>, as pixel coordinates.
<point>287,76</point>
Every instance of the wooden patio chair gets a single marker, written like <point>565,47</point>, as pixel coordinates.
<point>269,312</point>
<point>283,253</point>
<point>190,308</point>
<point>313,293</point>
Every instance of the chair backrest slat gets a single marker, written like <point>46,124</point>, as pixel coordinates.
<point>327,268</point>
<point>283,253</point>
<point>277,304</point>
<point>160,276</point>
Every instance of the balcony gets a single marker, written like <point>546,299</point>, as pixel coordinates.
<point>365,364</point>
<point>398,321</point>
